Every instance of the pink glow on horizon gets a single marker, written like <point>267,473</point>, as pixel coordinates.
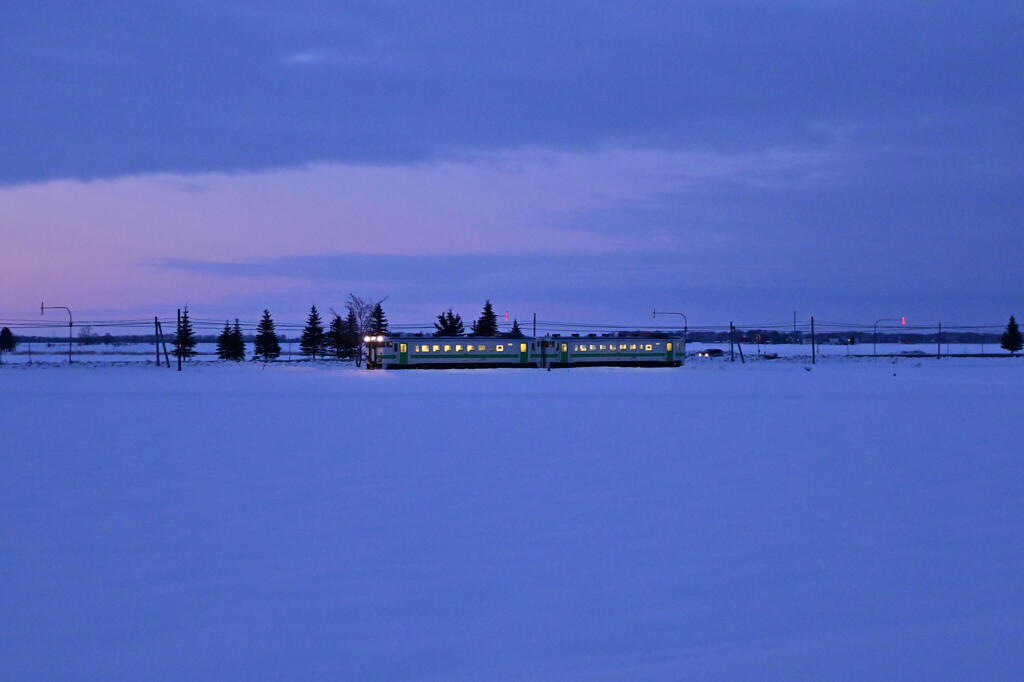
<point>89,241</point>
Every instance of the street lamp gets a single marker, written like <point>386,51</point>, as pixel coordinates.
<point>71,322</point>
<point>874,334</point>
<point>686,326</point>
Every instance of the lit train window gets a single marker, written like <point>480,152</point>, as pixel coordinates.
<point>593,347</point>
<point>565,347</point>
<point>425,349</point>
<point>470,347</point>
<point>522,348</point>
<point>500,348</point>
<point>447,348</point>
<point>622,346</point>
<point>482,347</point>
<point>458,348</point>
<point>404,348</point>
<point>668,346</point>
<point>603,347</point>
<point>632,346</point>
<point>648,347</point>
<point>437,349</point>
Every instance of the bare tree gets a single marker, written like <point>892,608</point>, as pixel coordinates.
<point>362,309</point>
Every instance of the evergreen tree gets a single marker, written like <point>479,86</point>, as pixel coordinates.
<point>8,342</point>
<point>449,324</point>
<point>336,336</point>
<point>487,325</point>
<point>224,343</point>
<point>378,321</point>
<point>313,341</point>
<point>267,346</point>
<point>184,337</point>
<point>516,332</point>
<point>1011,340</point>
<point>352,337</point>
<point>237,343</point>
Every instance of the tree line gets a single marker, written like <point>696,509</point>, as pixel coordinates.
<point>449,323</point>
<point>342,339</point>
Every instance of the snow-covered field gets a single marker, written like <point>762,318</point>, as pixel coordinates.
<point>860,520</point>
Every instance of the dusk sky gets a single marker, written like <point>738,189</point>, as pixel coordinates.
<point>734,159</point>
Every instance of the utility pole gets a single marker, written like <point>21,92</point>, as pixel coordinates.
<point>814,344</point>
<point>732,337</point>
<point>178,338</point>
<point>535,325</point>
<point>71,323</point>
<point>938,343</point>
<point>156,339</point>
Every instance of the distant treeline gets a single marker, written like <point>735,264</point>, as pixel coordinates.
<point>831,336</point>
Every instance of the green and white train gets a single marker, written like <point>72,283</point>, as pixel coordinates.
<point>450,352</point>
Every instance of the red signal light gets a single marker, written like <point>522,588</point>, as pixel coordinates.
<point>903,320</point>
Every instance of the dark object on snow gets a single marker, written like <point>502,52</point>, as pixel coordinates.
<point>184,337</point>
<point>8,342</point>
<point>267,347</point>
<point>711,353</point>
<point>1011,340</point>
<point>313,341</point>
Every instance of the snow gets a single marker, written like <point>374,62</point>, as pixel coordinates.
<point>770,521</point>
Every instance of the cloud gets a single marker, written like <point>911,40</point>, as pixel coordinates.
<point>198,87</point>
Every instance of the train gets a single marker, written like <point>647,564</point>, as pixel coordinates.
<point>424,351</point>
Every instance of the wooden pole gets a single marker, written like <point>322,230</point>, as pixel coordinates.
<point>814,344</point>
<point>178,332</point>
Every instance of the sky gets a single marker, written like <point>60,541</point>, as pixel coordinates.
<point>585,161</point>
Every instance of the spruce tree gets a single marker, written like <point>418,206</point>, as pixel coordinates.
<point>378,321</point>
<point>224,343</point>
<point>516,332</point>
<point>313,338</point>
<point>441,326</point>
<point>336,336</point>
<point>1011,340</point>
<point>267,346</point>
<point>351,337</point>
<point>237,343</point>
<point>449,323</point>
<point>487,325</point>
<point>184,337</point>
<point>8,342</point>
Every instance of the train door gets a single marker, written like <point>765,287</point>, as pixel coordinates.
<point>403,354</point>
<point>670,353</point>
<point>564,354</point>
<point>524,356</point>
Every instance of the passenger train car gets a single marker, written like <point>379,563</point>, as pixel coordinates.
<point>449,352</point>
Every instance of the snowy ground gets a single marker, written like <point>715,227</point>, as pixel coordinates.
<point>861,520</point>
